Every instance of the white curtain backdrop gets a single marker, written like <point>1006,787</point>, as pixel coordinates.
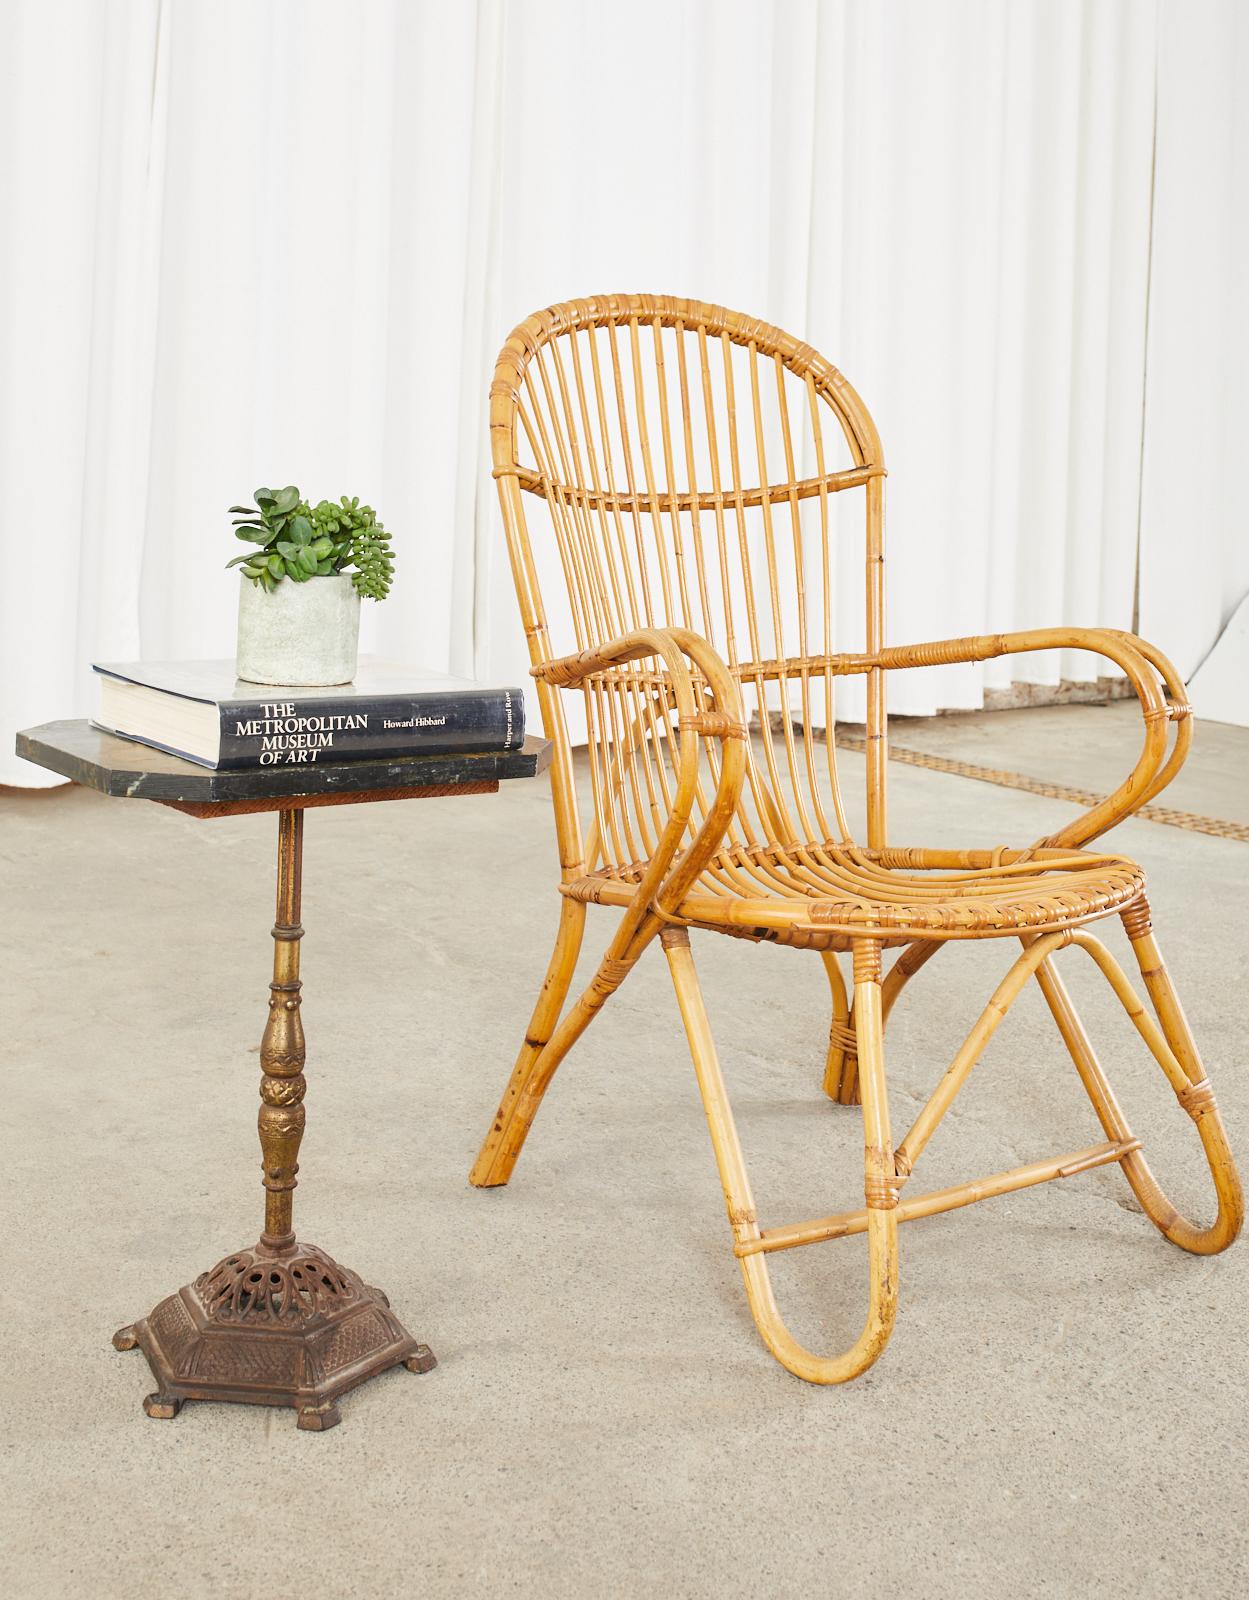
<point>259,241</point>
<point>1195,509</point>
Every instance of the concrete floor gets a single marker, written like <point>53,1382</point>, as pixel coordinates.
<point>1062,1409</point>
<point>1098,742</point>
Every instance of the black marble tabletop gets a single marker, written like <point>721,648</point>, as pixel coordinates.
<point>98,760</point>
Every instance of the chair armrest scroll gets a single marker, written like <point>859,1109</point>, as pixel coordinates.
<point>1158,686</point>
<point>668,876</point>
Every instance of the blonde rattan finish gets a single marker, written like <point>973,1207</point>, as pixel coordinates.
<point>696,470</point>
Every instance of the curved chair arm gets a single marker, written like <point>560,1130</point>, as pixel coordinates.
<point>1144,665</point>
<point>668,877</point>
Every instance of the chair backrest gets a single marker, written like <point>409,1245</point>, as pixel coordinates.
<point>690,471</point>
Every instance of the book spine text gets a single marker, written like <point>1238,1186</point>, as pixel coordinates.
<point>306,732</point>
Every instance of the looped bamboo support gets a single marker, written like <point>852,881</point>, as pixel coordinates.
<point>683,460</point>
<point>1170,1042</point>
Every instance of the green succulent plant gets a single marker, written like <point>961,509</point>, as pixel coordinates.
<point>299,541</point>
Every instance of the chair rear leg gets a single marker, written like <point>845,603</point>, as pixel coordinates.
<point>536,1063</point>
<point>842,1059</point>
<point>841,1072</point>
<point>880,1179</point>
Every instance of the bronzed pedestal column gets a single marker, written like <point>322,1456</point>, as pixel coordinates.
<point>280,1323</point>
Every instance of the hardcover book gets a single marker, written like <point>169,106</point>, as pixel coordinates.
<point>200,711</point>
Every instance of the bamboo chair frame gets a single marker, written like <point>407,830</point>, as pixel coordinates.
<point>633,418</point>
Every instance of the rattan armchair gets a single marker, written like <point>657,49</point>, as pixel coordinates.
<point>691,466</point>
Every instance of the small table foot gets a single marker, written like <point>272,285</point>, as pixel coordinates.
<point>317,1419</point>
<point>270,1327</point>
<point>161,1406</point>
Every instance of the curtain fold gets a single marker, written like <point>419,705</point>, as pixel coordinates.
<point>1194,554</point>
<point>258,242</point>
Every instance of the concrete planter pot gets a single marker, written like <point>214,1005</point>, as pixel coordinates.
<point>300,635</point>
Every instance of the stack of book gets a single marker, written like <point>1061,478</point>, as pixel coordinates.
<point>200,711</point>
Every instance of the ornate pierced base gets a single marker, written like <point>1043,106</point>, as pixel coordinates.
<point>289,1328</point>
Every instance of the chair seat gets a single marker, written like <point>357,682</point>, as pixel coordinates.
<point>823,895</point>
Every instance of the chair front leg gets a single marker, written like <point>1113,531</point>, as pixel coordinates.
<point>1173,1048</point>
<point>880,1179</point>
<point>1195,1096</point>
<point>536,1063</point>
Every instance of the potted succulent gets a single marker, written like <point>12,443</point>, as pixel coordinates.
<point>299,604</point>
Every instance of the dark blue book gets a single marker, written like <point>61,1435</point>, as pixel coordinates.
<point>199,710</point>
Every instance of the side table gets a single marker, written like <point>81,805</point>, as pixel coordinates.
<point>280,1322</point>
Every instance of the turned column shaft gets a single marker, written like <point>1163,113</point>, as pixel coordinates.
<point>282,1086</point>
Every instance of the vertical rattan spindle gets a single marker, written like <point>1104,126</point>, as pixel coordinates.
<point>282,1086</point>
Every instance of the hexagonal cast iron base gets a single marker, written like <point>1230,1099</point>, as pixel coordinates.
<point>288,1328</point>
